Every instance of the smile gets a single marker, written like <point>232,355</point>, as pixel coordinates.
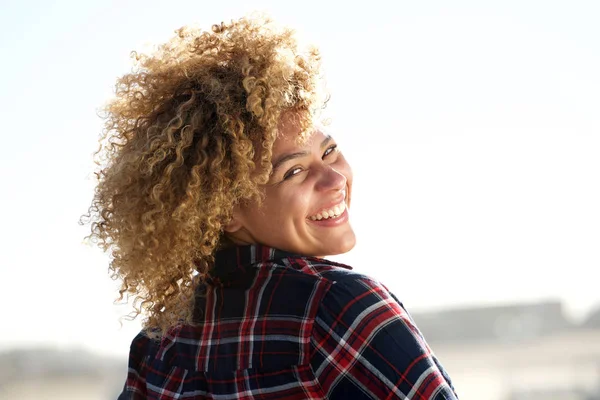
<point>330,213</point>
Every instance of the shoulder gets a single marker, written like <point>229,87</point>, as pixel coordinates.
<point>350,296</point>
<point>353,296</point>
<point>345,286</point>
<point>141,354</point>
<point>364,332</point>
<point>143,348</point>
<point>357,305</point>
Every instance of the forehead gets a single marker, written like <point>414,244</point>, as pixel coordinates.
<point>289,139</point>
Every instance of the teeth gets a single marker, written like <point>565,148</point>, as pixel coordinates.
<point>336,211</point>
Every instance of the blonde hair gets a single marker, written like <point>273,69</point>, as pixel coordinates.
<point>188,135</point>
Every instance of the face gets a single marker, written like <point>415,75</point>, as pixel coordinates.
<point>305,209</point>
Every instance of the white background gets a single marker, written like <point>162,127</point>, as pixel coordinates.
<point>473,131</point>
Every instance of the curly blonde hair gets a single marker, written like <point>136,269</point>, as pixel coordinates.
<point>188,136</point>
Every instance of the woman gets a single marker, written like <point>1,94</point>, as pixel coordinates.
<point>219,199</point>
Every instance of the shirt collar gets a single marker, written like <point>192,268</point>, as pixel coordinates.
<point>249,254</point>
<point>236,259</point>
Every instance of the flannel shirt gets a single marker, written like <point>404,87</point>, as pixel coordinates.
<point>274,325</point>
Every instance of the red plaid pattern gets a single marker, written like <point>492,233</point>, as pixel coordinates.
<point>274,325</point>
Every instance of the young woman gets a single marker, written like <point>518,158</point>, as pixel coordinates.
<point>219,197</point>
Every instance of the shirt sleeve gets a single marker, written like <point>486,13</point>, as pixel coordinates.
<point>141,350</point>
<point>366,346</point>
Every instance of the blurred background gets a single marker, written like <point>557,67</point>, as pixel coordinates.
<point>473,129</point>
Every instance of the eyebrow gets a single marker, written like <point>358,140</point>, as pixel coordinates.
<point>287,157</point>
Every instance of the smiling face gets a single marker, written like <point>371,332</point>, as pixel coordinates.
<point>306,199</point>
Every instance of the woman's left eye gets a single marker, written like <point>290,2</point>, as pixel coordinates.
<point>292,172</point>
<point>330,150</point>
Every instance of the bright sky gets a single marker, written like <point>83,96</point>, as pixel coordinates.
<point>473,131</point>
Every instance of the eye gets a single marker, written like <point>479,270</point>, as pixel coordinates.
<point>330,150</point>
<point>290,173</point>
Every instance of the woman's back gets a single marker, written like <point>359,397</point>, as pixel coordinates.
<point>277,325</point>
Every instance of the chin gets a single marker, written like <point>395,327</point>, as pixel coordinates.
<point>342,245</point>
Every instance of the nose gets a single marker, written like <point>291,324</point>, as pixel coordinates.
<point>330,179</point>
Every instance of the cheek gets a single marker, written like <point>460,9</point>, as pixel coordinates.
<point>300,204</point>
<point>287,205</point>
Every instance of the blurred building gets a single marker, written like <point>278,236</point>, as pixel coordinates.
<point>44,374</point>
<point>518,352</point>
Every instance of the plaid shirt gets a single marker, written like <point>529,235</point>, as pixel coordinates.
<point>275,325</point>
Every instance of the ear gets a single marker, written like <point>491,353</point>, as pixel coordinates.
<point>235,224</point>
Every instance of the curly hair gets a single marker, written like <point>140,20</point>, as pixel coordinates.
<point>188,135</point>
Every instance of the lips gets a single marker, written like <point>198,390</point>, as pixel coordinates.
<point>332,209</point>
<point>331,222</point>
